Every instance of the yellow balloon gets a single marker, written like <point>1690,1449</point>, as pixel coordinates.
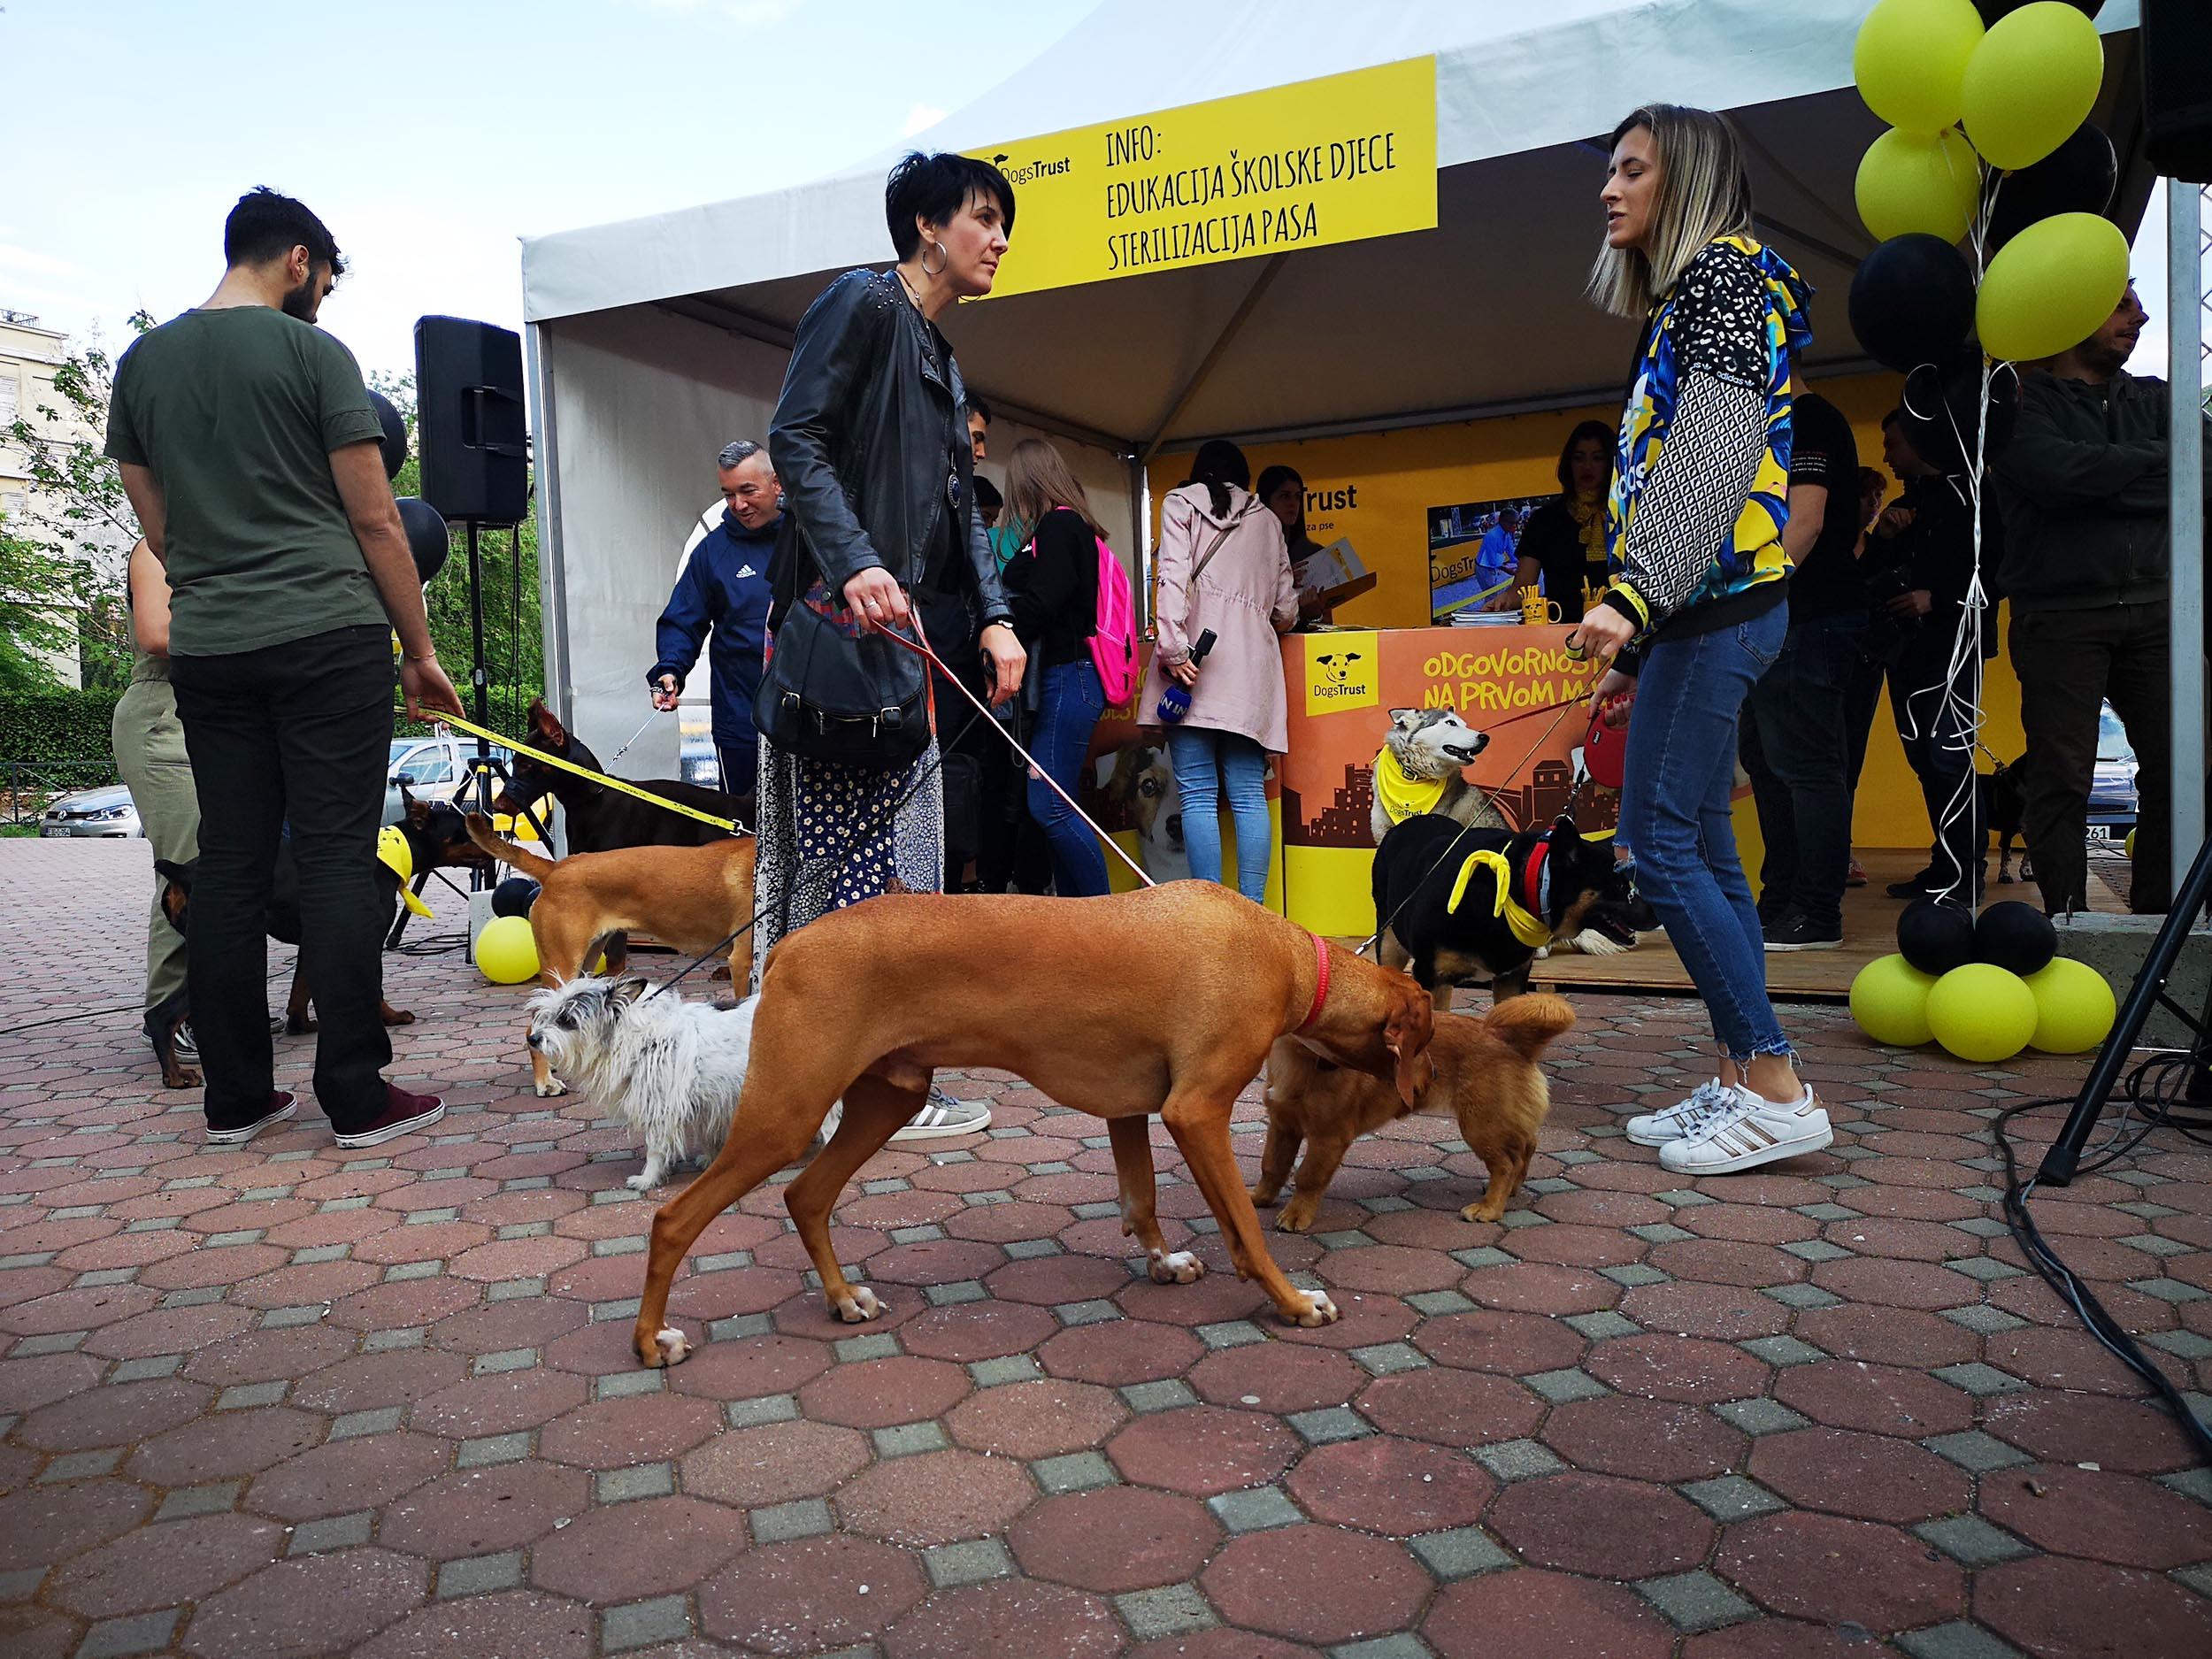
<point>506,952</point>
<point>1889,999</point>
<point>2032,81</point>
<point>2128,846</point>
<point>1907,183</point>
<point>2050,287</point>
<point>2074,1007</point>
<point>1910,61</point>
<point>1981,1012</point>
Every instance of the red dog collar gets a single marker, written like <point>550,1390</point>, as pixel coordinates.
<point>1320,983</point>
<point>1532,877</point>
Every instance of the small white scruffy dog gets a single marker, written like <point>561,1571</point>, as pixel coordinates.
<point>674,1068</point>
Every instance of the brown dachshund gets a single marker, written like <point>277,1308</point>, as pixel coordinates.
<point>1162,1000</point>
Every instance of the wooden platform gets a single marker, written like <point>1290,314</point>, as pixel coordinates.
<point>1870,930</point>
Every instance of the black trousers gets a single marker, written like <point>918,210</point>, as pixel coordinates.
<point>1939,746</point>
<point>2070,661</point>
<point>290,739</point>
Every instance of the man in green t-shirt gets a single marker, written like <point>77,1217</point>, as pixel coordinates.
<point>250,453</point>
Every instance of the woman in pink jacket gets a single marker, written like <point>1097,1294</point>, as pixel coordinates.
<point>1223,567</point>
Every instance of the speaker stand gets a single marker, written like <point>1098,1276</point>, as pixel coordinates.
<point>2059,1162</point>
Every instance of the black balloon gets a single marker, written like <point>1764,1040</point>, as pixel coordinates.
<point>1939,417</point>
<point>2017,937</point>
<point>394,439</point>
<point>426,537</point>
<point>1912,302</point>
<point>1936,936</point>
<point>1991,9</point>
<point>514,896</point>
<point>2078,177</point>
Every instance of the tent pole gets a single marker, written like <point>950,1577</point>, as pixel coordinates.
<point>2185,323</point>
<point>1222,342</point>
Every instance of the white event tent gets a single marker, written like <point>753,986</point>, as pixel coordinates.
<point>652,343</point>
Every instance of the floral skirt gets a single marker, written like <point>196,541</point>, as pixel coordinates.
<point>831,836</point>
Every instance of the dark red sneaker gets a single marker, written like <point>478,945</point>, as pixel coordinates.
<point>403,1114</point>
<point>282,1106</point>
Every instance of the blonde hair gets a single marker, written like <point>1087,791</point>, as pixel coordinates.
<point>1038,479</point>
<point>1703,192</point>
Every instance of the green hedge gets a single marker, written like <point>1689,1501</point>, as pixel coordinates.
<point>61,735</point>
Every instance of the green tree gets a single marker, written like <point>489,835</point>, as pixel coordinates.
<point>62,565</point>
<point>514,639</point>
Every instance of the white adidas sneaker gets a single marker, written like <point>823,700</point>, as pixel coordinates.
<point>1747,1131</point>
<point>1656,1129</point>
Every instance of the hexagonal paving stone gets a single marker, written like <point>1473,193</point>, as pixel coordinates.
<point>744,1367</point>
<point>1451,1407</point>
<point>1202,1450</point>
<point>1527,1611</point>
<point>776,1462</point>
<point>1276,1377</point>
<point>1119,1354</point>
<point>2123,1519</point>
<point>1601,1525</point>
<point>115,1415</point>
<point>313,1605</point>
<point>43,1524</point>
<point>367,1381</point>
<point>973,1330</point>
<point>165,1566</point>
<point>500,1402</point>
<point>1878,1399</point>
<point>2052,1605</point>
<point>1316,1584</point>
<point>2125,1434</point>
<point>226,1444</point>
<point>936,1498</point>
<point>877,1394</point>
<point>1825,1568</point>
<point>511,1625</point>
<point>1037,1419</point>
<point>1116,1539</point>
<point>803,1597</point>
<point>480,1511</point>
<point>1691,1369</point>
<point>1868,1477</point>
<point>1644,1440</point>
<point>631,1429</point>
<point>346,1475</point>
<point>1007,1620</point>
<point>628,1551</point>
<point>1382,1484</point>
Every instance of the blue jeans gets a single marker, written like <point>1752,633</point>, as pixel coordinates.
<point>1067,715</point>
<point>1206,764</point>
<point>1680,765</point>
<point>1804,707</point>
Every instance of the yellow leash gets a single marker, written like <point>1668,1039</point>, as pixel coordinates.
<point>601,777</point>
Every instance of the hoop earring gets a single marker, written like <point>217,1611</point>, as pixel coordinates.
<point>944,258</point>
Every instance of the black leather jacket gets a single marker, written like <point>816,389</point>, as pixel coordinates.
<point>861,439</point>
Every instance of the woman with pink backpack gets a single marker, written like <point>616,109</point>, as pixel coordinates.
<point>1074,614</point>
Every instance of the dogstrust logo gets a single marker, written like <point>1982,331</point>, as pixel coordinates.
<point>1342,672</point>
<point>1503,682</point>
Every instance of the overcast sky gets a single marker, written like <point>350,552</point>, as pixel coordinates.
<point>429,136</point>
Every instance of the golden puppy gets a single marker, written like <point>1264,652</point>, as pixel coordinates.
<point>1486,1077</point>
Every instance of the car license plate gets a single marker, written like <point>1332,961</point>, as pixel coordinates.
<point>51,829</point>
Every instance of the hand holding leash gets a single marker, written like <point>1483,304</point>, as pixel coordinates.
<point>1601,633</point>
<point>877,601</point>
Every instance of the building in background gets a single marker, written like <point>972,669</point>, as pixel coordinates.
<point>29,355</point>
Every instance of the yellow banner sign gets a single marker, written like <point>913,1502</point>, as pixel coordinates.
<point>1337,160</point>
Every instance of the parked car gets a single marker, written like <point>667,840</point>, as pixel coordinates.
<point>432,766</point>
<point>104,814</point>
<point>2113,802</point>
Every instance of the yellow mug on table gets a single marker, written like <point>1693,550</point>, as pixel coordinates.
<point>1536,610</point>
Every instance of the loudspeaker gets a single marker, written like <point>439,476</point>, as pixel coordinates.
<point>2176,49</point>
<point>469,428</point>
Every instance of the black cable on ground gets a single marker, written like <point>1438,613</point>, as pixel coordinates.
<point>2158,1111</point>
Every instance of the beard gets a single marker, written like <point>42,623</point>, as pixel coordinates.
<point>303,300</point>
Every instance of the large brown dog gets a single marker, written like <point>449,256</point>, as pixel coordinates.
<point>687,898</point>
<point>1162,1000</point>
<point>1486,1077</point>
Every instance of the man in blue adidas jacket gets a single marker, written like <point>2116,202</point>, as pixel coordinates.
<point>724,588</point>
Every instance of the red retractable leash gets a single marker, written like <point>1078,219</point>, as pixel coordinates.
<point>920,648</point>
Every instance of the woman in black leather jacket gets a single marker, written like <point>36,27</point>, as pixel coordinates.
<point>870,441</point>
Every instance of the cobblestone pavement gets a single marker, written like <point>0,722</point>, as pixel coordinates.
<point>288,1400</point>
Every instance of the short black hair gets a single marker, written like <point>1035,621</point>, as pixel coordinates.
<point>1894,417</point>
<point>265,226</point>
<point>935,188</point>
<point>978,407</point>
<point>987,496</point>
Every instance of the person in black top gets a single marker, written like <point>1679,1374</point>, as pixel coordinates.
<point>1563,541</point>
<point>1802,704</point>
<point>1923,552</point>
<point>1053,586</point>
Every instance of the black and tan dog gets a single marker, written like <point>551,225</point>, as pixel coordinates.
<point>1461,906</point>
<point>600,819</point>
<point>437,838</point>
